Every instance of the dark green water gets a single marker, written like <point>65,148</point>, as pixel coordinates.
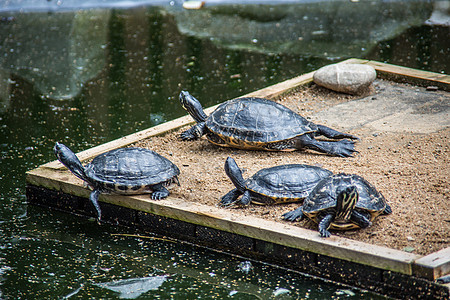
<point>85,79</point>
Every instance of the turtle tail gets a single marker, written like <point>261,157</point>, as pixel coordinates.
<point>193,107</point>
<point>70,160</point>
<point>235,174</point>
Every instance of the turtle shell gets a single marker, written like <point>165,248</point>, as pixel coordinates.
<point>246,122</point>
<point>130,170</point>
<point>324,195</point>
<point>286,183</point>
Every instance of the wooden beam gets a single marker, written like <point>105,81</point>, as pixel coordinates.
<point>210,216</point>
<point>412,76</point>
<point>434,265</point>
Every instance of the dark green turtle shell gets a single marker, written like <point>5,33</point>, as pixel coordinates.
<point>286,183</point>
<point>324,196</point>
<point>130,170</point>
<point>246,122</point>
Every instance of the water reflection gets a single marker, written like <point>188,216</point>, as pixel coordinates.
<point>332,29</point>
<point>58,53</point>
<point>134,287</point>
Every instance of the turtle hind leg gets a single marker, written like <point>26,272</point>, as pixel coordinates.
<point>194,133</point>
<point>230,198</point>
<point>94,199</point>
<point>293,214</point>
<point>334,134</point>
<point>159,192</point>
<point>342,148</point>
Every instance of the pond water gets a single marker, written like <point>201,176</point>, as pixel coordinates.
<point>85,77</point>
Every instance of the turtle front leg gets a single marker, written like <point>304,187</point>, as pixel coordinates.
<point>230,198</point>
<point>293,214</point>
<point>324,224</point>
<point>94,199</point>
<point>360,219</point>
<point>246,198</point>
<point>334,134</point>
<point>194,133</point>
<point>342,148</point>
<point>159,192</point>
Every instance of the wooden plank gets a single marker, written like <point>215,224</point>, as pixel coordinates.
<point>53,176</point>
<point>412,76</point>
<point>229,221</point>
<point>434,265</point>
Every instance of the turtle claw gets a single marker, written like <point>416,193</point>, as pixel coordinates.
<point>293,215</point>
<point>187,136</point>
<point>353,137</point>
<point>324,233</point>
<point>194,133</point>
<point>160,193</point>
<point>345,148</point>
<point>342,148</point>
<point>230,198</point>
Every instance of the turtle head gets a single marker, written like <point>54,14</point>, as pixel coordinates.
<point>70,160</point>
<point>192,106</point>
<point>346,202</point>
<point>235,174</point>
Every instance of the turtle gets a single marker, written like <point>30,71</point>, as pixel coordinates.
<point>279,184</point>
<point>261,124</point>
<point>342,202</point>
<point>125,171</point>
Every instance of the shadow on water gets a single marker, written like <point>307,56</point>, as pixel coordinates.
<point>85,77</point>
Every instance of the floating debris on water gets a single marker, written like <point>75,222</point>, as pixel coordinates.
<point>345,292</point>
<point>245,266</point>
<point>134,287</point>
<point>280,291</point>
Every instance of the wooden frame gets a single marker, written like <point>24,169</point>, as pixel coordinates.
<point>253,231</point>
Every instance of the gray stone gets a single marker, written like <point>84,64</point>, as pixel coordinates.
<point>345,78</point>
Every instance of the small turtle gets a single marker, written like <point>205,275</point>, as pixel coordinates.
<point>261,124</point>
<point>123,171</point>
<point>280,184</point>
<point>341,202</point>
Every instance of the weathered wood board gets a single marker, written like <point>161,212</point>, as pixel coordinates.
<point>389,263</point>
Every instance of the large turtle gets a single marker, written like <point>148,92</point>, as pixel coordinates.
<point>261,124</point>
<point>123,171</point>
<point>342,202</point>
<point>280,184</point>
